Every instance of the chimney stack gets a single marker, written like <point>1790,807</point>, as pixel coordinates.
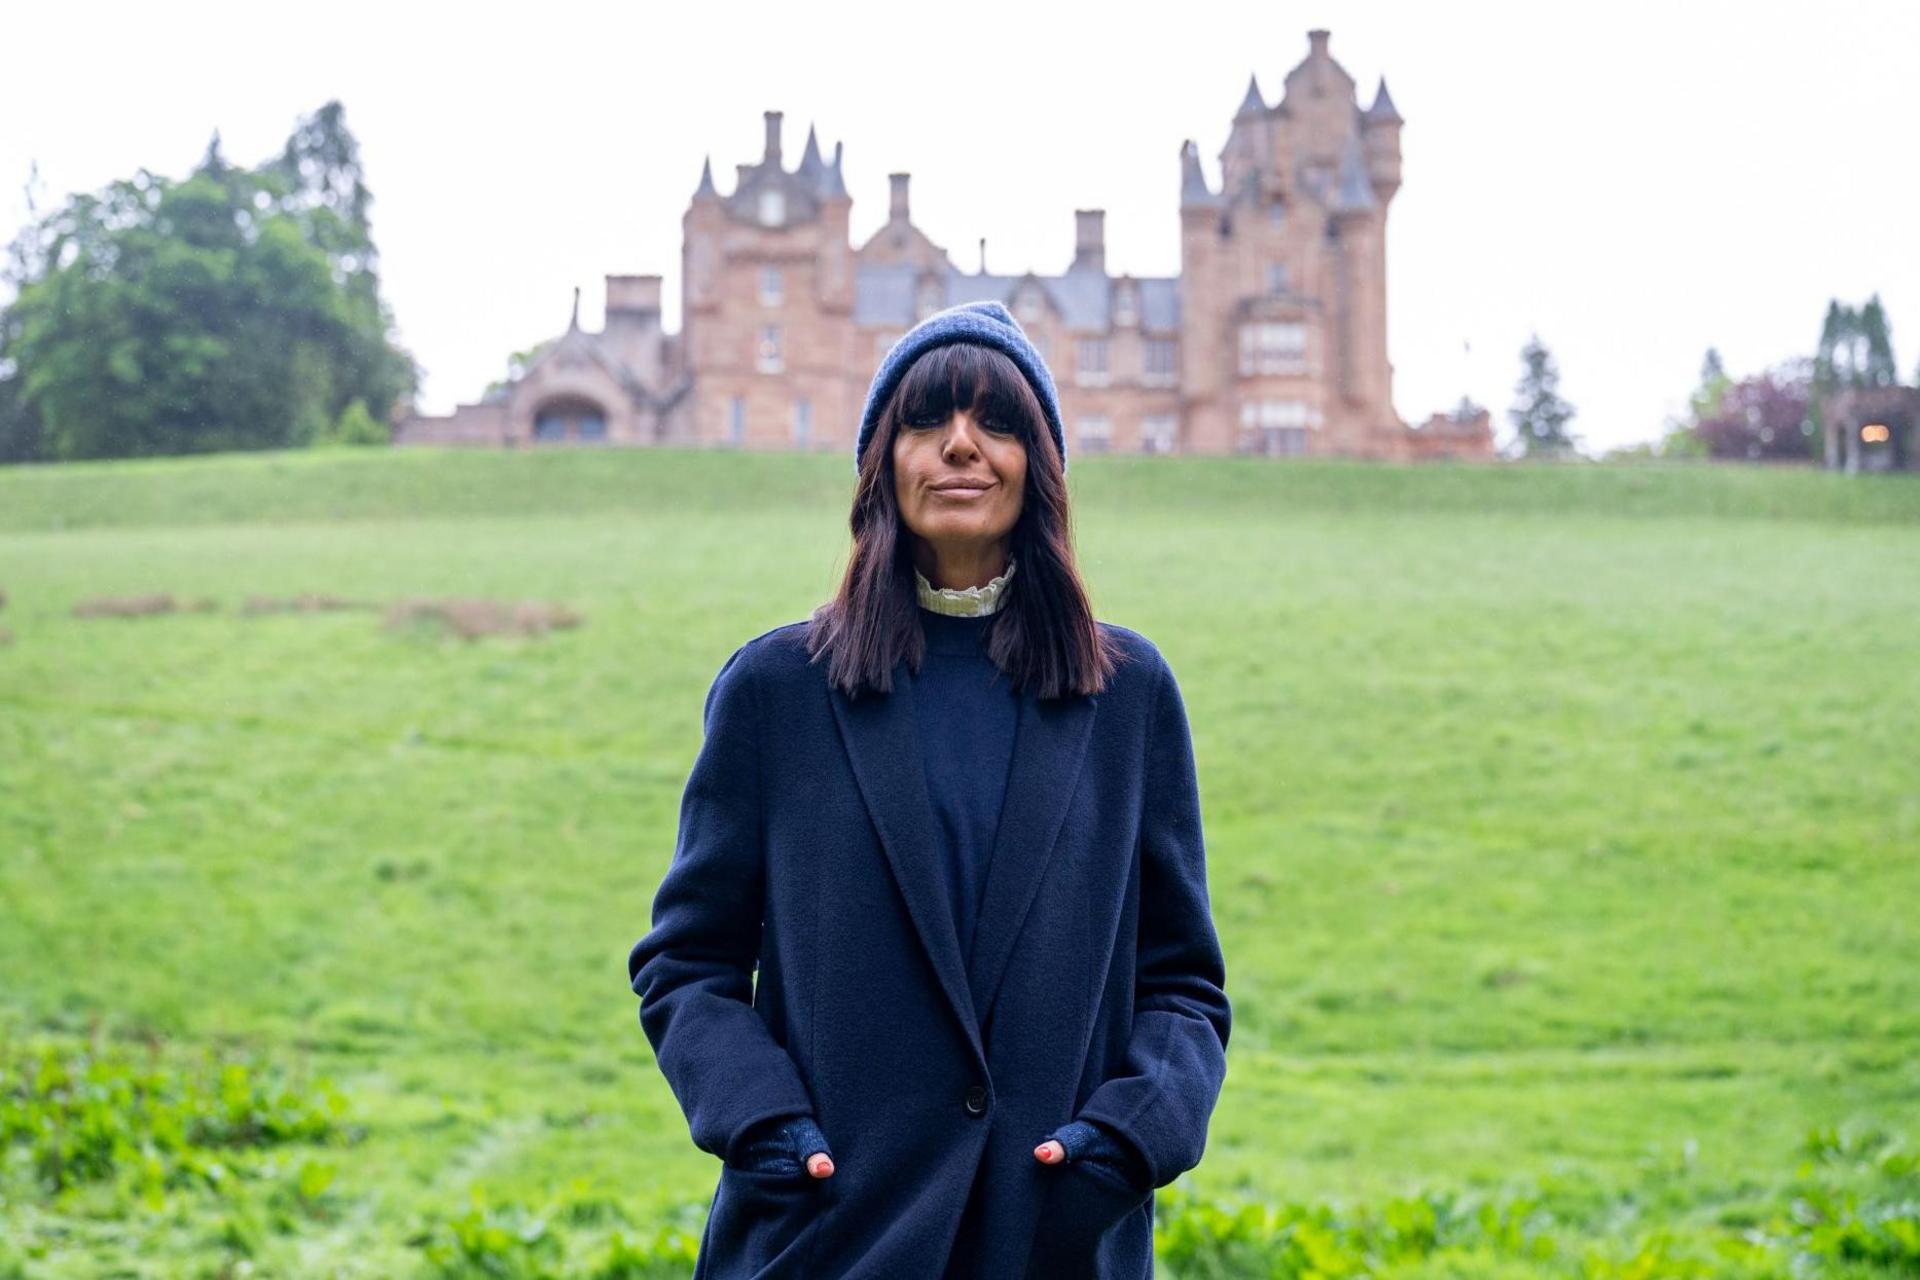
<point>773,136</point>
<point>633,294</point>
<point>1317,42</point>
<point>897,210</point>
<point>983,255</point>
<point>1089,240</point>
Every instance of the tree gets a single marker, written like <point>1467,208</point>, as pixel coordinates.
<point>1539,416</point>
<point>517,365</point>
<point>236,309</point>
<point>1705,402</point>
<point>1856,348</point>
<point>1763,418</point>
<point>356,427</point>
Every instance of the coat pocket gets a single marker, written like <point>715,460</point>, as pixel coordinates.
<point>1084,1202</point>
<point>758,1226</point>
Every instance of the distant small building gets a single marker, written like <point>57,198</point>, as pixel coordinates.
<point>1271,340</point>
<point>1466,432</point>
<point>1871,428</point>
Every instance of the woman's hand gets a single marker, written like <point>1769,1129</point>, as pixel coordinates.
<point>1092,1142</point>
<point>807,1139</point>
<point>799,1135</point>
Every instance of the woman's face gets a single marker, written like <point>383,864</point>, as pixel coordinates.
<point>960,482</point>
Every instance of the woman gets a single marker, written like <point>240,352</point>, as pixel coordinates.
<point>953,821</point>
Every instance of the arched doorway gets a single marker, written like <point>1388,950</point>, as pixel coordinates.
<point>569,420</point>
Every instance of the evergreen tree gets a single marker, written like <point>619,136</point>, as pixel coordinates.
<point>1878,368</point>
<point>1539,415</point>
<point>1705,401</point>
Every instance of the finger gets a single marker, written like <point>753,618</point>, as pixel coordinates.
<point>1050,1152</point>
<point>820,1165</point>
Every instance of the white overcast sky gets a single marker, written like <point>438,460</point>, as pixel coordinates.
<point>1635,181</point>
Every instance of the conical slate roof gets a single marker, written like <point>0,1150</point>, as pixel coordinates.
<point>1253,102</point>
<point>1193,183</point>
<point>1383,111</point>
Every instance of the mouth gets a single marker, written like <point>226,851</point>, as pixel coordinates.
<point>968,489</point>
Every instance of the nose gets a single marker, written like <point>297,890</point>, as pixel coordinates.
<point>959,445</point>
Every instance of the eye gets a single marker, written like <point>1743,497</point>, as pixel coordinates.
<point>996,426</point>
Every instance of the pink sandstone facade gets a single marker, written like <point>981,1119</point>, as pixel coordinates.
<point>1271,340</point>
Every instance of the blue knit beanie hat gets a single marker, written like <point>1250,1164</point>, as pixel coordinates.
<point>987,323</point>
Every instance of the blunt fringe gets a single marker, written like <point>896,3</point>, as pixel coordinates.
<point>1044,636</point>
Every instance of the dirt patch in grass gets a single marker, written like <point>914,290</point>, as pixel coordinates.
<point>473,618</point>
<point>141,606</point>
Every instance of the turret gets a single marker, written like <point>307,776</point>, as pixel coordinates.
<point>1253,104</point>
<point>1380,129</point>
<point>1194,192</point>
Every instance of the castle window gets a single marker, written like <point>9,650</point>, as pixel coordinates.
<point>1126,309</point>
<point>770,359</point>
<point>1028,306</point>
<point>1157,431</point>
<point>737,420</point>
<point>1270,347</point>
<point>1277,214</point>
<point>1276,427</point>
<point>802,422</point>
<point>1094,434</point>
<point>1158,361</point>
<point>1276,277</point>
<point>773,208</point>
<point>1090,362</point>
<point>772,287</point>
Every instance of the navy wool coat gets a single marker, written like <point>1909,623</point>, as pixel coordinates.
<point>1095,989</point>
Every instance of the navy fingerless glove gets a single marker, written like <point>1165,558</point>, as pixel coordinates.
<point>781,1144</point>
<point>1097,1144</point>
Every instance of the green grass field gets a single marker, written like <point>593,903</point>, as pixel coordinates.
<point>1563,824</point>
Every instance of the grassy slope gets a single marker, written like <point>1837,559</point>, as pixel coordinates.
<point>1558,819</point>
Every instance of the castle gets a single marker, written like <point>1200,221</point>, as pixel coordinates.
<point>1271,340</point>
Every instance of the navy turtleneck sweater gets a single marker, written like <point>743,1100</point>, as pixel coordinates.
<point>967,715</point>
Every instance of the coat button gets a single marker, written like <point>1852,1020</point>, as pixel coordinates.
<point>977,1100</point>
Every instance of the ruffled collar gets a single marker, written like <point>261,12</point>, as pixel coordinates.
<point>963,602</point>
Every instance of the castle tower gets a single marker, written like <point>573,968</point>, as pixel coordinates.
<point>768,300</point>
<point>1283,272</point>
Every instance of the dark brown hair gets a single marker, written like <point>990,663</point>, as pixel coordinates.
<point>1044,635</point>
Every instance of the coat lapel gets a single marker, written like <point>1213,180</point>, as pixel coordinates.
<point>1048,749</point>
<point>882,737</point>
<point>883,745</point>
